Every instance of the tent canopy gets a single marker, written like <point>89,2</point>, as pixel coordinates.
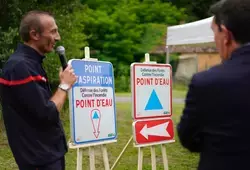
<point>191,33</point>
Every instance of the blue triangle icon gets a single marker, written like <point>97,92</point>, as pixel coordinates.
<point>95,116</point>
<point>153,102</point>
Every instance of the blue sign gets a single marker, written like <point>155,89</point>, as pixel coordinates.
<point>92,102</point>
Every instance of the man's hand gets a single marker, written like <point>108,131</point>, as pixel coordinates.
<point>67,76</point>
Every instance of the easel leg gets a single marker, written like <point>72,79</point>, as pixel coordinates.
<point>153,159</point>
<point>164,157</point>
<point>79,159</point>
<point>140,158</point>
<point>105,157</point>
<point>92,158</point>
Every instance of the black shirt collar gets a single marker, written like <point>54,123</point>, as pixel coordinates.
<point>30,52</point>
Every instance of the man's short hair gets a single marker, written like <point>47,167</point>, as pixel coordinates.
<point>235,16</point>
<point>31,20</point>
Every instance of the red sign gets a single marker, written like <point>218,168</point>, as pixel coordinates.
<point>153,131</point>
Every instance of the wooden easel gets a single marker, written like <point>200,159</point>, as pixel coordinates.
<point>91,154</point>
<point>153,155</point>
<point>153,145</point>
<point>91,146</point>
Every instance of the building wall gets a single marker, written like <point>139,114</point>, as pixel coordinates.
<point>207,60</point>
<point>187,66</point>
<point>192,63</point>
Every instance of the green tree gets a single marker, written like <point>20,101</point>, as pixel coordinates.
<point>116,32</point>
<point>197,9</point>
<point>157,12</point>
<point>68,17</point>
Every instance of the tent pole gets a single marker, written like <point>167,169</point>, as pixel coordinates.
<point>167,54</point>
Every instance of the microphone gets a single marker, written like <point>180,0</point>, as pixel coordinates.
<point>61,52</point>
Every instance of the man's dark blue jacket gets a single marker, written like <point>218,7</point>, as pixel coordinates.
<point>216,117</point>
<point>33,127</point>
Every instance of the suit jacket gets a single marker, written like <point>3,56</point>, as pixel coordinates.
<point>216,117</point>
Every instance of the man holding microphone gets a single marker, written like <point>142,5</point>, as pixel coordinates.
<point>30,110</point>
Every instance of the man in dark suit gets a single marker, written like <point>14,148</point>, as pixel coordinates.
<point>216,117</point>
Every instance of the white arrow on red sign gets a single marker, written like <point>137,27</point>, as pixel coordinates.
<point>158,130</point>
<point>152,131</point>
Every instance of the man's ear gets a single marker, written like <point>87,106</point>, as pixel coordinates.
<point>227,35</point>
<point>34,35</point>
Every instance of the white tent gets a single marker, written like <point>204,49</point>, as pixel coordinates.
<point>191,33</point>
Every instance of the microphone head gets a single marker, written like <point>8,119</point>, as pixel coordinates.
<point>60,50</point>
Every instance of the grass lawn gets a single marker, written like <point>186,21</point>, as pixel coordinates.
<point>179,93</point>
<point>178,158</point>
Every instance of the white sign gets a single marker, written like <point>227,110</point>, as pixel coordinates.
<point>92,102</point>
<point>151,90</point>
